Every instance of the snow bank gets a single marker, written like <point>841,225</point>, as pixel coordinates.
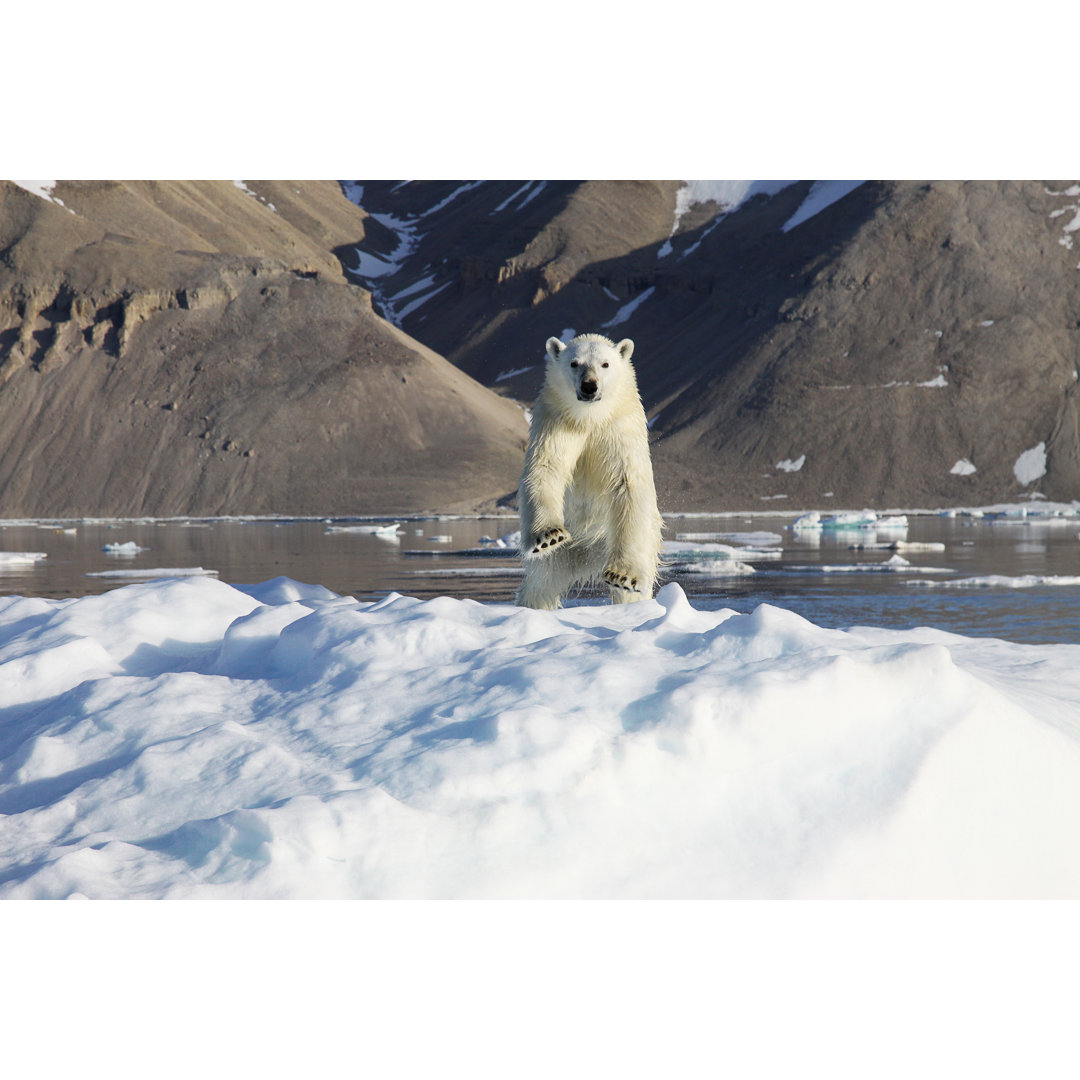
<point>187,738</point>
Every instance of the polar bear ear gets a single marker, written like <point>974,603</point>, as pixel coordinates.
<point>626,348</point>
<point>554,346</point>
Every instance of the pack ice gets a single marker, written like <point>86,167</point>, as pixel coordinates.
<point>188,738</point>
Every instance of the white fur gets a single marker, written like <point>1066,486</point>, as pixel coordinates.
<point>587,498</point>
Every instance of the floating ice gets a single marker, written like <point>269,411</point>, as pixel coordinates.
<point>752,539</point>
<point>1002,581</point>
<point>710,568</point>
<point>682,550</point>
<point>897,564</point>
<point>856,519</point>
<point>10,559</point>
<point>385,532</point>
<point>153,573</point>
<point>128,548</point>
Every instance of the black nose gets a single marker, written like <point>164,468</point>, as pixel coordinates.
<point>589,387</point>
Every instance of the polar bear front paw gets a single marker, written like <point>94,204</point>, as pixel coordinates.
<point>621,579</point>
<point>548,539</point>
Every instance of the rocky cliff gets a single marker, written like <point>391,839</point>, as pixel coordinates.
<point>194,348</point>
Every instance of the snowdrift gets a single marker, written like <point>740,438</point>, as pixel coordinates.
<point>188,738</point>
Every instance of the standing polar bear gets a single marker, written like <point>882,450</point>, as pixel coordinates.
<point>587,498</point>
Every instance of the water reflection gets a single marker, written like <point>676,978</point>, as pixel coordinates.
<point>456,557</point>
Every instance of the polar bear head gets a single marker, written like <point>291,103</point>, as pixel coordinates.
<point>589,369</point>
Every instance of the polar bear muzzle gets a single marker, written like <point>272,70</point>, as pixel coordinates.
<point>588,387</point>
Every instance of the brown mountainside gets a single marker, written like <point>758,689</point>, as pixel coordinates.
<point>905,328</point>
<point>197,347</point>
<point>194,348</point>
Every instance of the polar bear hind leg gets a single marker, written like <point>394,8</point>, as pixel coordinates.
<point>548,575</point>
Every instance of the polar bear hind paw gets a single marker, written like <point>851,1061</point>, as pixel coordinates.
<point>547,540</point>
<point>619,579</point>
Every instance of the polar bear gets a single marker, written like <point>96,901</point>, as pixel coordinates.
<point>587,498</point>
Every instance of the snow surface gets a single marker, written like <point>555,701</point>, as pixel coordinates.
<point>188,738</point>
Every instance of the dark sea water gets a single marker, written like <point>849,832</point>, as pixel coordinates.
<point>432,557</point>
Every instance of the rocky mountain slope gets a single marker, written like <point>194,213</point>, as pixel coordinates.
<point>194,348</point>
<point>909,344</point>
<point>366,347</point>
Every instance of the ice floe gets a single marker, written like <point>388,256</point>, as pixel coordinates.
<point>188,738</point>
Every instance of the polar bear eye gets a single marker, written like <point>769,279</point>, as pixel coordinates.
<point>573,363</point>
<point>604,364</point>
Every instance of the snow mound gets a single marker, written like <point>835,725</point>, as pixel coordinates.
<point>186,738</point>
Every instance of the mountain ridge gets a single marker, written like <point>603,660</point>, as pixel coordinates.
<point>903,328</point>
<point>370,347</point>
<point>238,373</point>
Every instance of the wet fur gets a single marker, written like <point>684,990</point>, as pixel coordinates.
<point>587,497</point>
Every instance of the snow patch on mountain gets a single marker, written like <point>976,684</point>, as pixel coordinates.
<point>728,195</point>
<point>822,194</point>
<point>1073,224</point>
<point>1031,464</point>
<point>624,313</point>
